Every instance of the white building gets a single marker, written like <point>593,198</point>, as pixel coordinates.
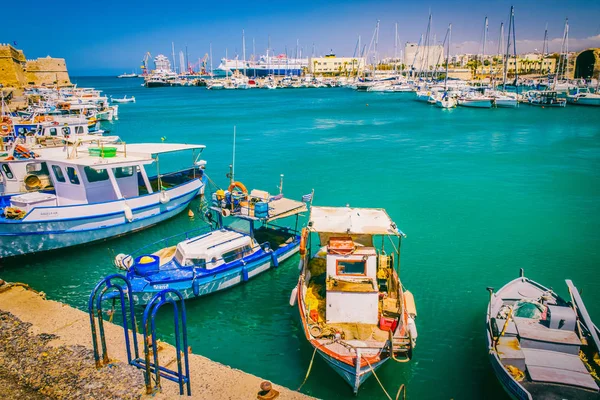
<point>162,64</point>
<point>423,58</point>
<point>336,65</point>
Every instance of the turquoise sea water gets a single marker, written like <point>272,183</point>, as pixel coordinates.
<point>480,194</point>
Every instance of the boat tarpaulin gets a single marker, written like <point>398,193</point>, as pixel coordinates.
<point>352,221</point>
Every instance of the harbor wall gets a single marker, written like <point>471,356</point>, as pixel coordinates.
<point>71,327</point>
<point>16,71</point>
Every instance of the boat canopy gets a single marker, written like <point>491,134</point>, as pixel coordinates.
<point>284,207</point>
<point>352,221</point>
<point>149,150</point>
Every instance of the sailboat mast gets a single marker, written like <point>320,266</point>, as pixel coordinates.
<point>485,31</point>
<point>448,57</point>
<point>510,20</point>
<point>396,49</point>
<point>211,61</point>
<point>244,51</point>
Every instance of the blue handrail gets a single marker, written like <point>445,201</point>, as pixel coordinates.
<point>106,289</point>
<point>182,376</point>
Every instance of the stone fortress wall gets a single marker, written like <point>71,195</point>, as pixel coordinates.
<point>16,71</point>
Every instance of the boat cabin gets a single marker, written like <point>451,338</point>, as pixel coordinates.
<point>352,290</point>
<point>214,249</point>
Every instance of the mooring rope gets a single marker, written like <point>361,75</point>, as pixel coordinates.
<point>309,368</point>
<point>401,389</point>
<point>4,286</point>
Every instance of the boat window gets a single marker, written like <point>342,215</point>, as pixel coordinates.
<point>72,174</point>
<point>53,132</point>
<point>351,267</point>
<point>66,131</point>
<point>95,175</point>
<point>236,254</point>
<point>179,257</point>
<point>198,262</point>
<point>38,168</point>
<point>58,173</point>
<point>79,130</point>
<point>7,172</point>
<point>123,172</point>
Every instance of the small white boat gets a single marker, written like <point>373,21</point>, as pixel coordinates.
<point>584,97</point>
<point>123,100</point>
<point>545,98</point>
<point>474,100</point>
<point>445,101</point>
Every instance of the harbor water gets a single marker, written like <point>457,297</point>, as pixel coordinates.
<point>480,193</point>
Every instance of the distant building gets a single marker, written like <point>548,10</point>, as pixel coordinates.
<point>531,64</point>
<point>423,58</point>
<point>16,71</point>
<point>332,65</point>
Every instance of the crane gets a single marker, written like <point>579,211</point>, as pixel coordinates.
<point>145,63</point>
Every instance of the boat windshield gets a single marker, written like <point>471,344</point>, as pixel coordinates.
<point>237,224</point>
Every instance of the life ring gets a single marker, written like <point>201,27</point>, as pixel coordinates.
<point>303,240</point>
<point>238,185</point>
<point>5,129</point>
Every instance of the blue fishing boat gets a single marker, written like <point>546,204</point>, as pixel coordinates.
<point>242,243</point>
<point>94,193</point>
<point>540,345</point>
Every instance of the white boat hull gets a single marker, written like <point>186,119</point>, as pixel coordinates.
<point>48,228</point>
<point>475,103</point>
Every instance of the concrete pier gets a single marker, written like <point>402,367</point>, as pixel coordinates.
<point>65,326</point>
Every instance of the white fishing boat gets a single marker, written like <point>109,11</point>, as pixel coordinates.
<point>426,96</point>
<point>97,193</point>
<point>584,97</point>
<point>355,312</point>
<point>126,75</point>
<point>125,99</point>
<point>505,100</point>
<point>445,101</point>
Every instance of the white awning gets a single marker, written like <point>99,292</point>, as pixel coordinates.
<point>352,221</point>
<point>151,149</point>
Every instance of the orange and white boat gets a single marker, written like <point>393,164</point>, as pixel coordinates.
<point>354,310</point>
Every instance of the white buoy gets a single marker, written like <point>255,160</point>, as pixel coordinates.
<point>293,296</point>
<point>163,197</point>
<point>128,213</point>
<point>412,328</point>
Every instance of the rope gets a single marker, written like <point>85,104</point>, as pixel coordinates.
<point>401,389</point>
<point>309,368</point>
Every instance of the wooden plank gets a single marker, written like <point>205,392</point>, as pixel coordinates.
<point>533,330</point>
<point>585,316</point>
<point>554,359</point>
<point>560,376</point>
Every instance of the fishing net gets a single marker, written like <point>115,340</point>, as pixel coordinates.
<point>528,309</point>
<point>317,266</point>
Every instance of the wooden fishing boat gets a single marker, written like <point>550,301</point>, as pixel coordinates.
<point>353,308</point>
<point>243,244</point>
<point>540,345</point>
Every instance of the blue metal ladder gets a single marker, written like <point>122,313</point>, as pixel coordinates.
<point>117,286</point>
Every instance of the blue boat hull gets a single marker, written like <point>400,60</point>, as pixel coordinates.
<point>211,283</point>
<point>24,238</point>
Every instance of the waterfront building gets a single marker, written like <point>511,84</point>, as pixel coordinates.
<point>423,58</point>
<point>332,65</point>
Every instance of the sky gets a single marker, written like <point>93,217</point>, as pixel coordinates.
<point>111,37</point>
